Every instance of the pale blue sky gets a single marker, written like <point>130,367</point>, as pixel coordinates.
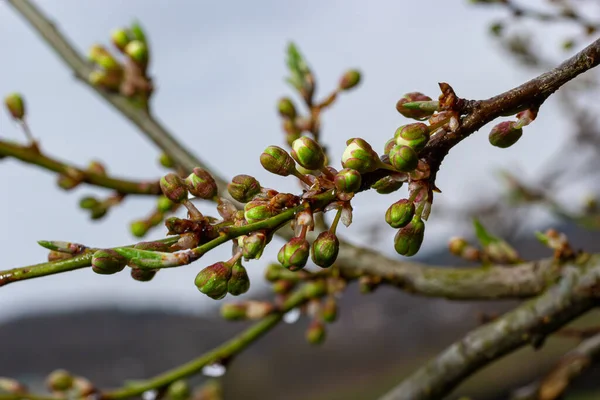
<point>219,69</point>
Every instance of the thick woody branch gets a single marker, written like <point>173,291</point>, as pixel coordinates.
<point>576,293</point>
<point>31,155</point>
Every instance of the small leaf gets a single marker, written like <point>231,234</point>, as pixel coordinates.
<point>484,237</point>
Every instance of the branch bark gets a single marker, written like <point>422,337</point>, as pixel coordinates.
<point>576,293</point>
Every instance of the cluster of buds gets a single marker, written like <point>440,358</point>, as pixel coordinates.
<point>223,277</point>
<point>558,242</point>
<point>460,247</point>
<point>199,184</point>
<point>129,78</point>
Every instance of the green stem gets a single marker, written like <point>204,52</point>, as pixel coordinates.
<point>30,156</point>
<point>218,354</point>
<point>334,224</point>
<point>56,267</point>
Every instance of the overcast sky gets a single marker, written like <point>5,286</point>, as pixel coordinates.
<point>219,69</point>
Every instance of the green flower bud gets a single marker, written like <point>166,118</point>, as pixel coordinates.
<point>349,80</point>
<point>212,280</point>
<point>275,272</point>
<point>400,213</point>
<point>98,212</point>
<point>277,161</point>
<point>457,245</point>
<point>315,289</point>
<point>243,188</point>
<point>330,310</point>
<point>410,113</point>
<point>359,155</point>
<point>368,284</point>
<point>142,275</point>
<point>59,381</point>
<point>178,390</point>
<point>325,249</point>
<point>257,210</point>
<point>403,158</point>
<point>108,262</point>
<point>174,188</point>
<point>96,167</point>
<point>348,180</point>
<point>163,204</point>
<point>15,105</point>
<point>253,245</point>
<point>308,153</point>
<point>239,282</point>
<point>408,240</point>
<point>286,108</point>
<point>139,228</point>
<point>120,38</point>
<point>233,311</point>
<point>201,184</point>
<point>388,146</point>
<point>387,185</point>
<point>68,182</point>
<point>505,134</point>
<point>283,286</point>
<point>294,254</point>
<point>414,135</point>
<point>138,52</point>
<point>88,203</point>
<point>166,161</point>
<point>315,334</point>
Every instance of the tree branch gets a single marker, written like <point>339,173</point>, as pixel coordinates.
<point>529,323</point>
<point>31,156</point>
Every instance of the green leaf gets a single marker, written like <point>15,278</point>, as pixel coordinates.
<point>484,237</point>
<point>138,32</point>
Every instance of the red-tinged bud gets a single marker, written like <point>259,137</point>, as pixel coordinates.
<point>139,228</point>
<point>505,134</point>
<point>96,167</point>
<point>408,240</point>
<point>411,113</point>
<point>174,188</point>
<point>315,289</point>
<point>15,105</point>
<point>403,158</point>
<point>212,280</point>
<point>120,38</point>
<point>348,180</point>
<point>286,108</point>
<point>163,204</point>
<point>166,161</point>
<point>87,203</point>
<point>457,245</point>
<point>59,381</point>
<point>400,213</point>
<point>83,387</point>
<point>368,284</point>
<point>243,188</point>
<point>12,386</point>
<point>294,254</point>
<point>325,249</point>
<point>179,390</point>
<point>315,334</point>
<point>253,245</point>
<point>388,146</point>
<point>201,184</point>
<point>414,135</point>
<point>388,184</point>
<point>233,311</point>
<point>257,210</point>
<point>239,283</point>
<point>143,275</point>
<point>108,262</point>
<point>359,155</point>
<point>349,80</point>
<point>330,309</point>
<point>308,153</point>
<point>138,53</point>
<point>283,286</point>
<point>277,161</point>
